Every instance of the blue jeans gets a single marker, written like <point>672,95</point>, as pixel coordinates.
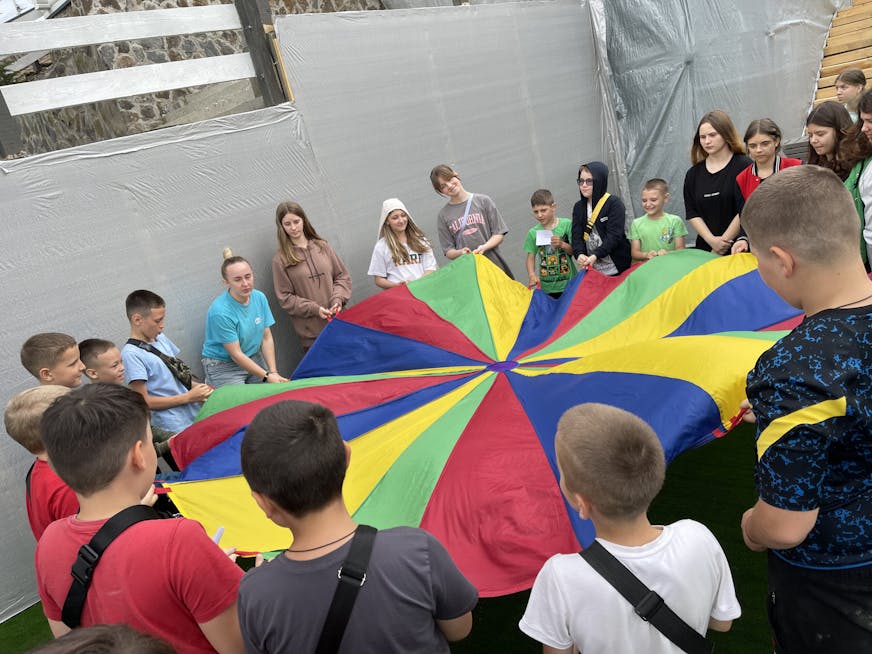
<point>222,373</point>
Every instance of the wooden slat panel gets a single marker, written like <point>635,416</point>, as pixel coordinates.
<point>858,13</point>
<point>857,26</point>
<point>27,36</point>
<point>833,64</point>
<point>830,80</point>
<point>826,94</point>
<point>848,42</point>
<point>58,92</point>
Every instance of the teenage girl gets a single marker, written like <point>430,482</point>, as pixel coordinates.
<point>239,347</point>
<point>763,141</point>
<point>402,253</point>
<point>711,199</point>
<point>470,222</point>
<point>311,282</point>
<point>827,125</point>
<point>850,85</point>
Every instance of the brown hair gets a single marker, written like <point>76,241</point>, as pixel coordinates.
<point>856,146</point>
<point>105,639</point>
<point>656,184</point>
<point>91,348</point>
<point>286,247</point>
<point>44,351</point>
<point>442,172</point>
<point>88,434</point>
<point>142,302</point>
<point>831,114</point>
<point>764,126</point>
<point>610,457</point>
<point>24,413</point>
<point>542,197</point>
<point>229,260</point>
<point>790,210</point>
<point>721,123</point>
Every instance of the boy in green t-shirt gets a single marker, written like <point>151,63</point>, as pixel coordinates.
<point>549,246</point>
<point>656,232</point>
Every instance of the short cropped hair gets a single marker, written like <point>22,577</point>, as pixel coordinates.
<point>541,197</point>
<point>610,457</point>
<point>656,184</point>
<point>105,639</point>
<point>91,348</point>
<point>142,302</point>
<point>440,173</point>
<point>44,351</point>
<point>88,434</point>
<point>805,209</point>
<point>24,413</point>
<point>293,453</point>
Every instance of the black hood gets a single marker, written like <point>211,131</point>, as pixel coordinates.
<point>600,173</point>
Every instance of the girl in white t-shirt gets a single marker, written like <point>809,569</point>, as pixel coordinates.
<point>403,253</point>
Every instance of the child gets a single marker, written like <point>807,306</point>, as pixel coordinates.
<point>173,405</point>
<point>47,497</point>
<point>163,577</point>
<point>598,238</point>
<point>402,253</point>
<point>611,466</point>
<point>469,222</point>
<point>554,259</point>
<point>53,358</point>
<point>850,85</point>
<point>414,598</point>
<point>657,232</point>
<point>812,396</point>
<point>102,361</point>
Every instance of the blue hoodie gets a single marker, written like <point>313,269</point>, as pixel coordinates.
<point>610,225</point>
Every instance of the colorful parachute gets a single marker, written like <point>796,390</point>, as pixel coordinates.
<point>449,391</point>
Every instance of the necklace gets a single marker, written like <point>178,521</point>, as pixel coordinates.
<point>847,304</point>
<point>332,542</point>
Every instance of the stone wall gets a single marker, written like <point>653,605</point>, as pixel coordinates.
<point>71,126</point>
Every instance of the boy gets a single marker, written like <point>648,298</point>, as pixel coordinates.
<point>554,259</point>
<point>414,598</point>
<point>812,396</point>
<point>469,222</point>
<point>611,467</point>
<point>657,232</point>
<point>47,497</point>
<point>173,407</point>
<point>163,577</point>
<point>102,361</point>
<point>598,223</point>
<point>53,358</point>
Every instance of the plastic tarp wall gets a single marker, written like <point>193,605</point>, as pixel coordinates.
<point>506,93</point>
<point>671,62</point>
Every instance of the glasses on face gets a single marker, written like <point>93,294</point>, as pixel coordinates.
<point>585,181</point>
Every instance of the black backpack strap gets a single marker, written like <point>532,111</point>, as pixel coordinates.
<point>352,575</point>
<point>27,479</point>
<point>89,556</point>
<point>647,604</point>
<point>174,364</point>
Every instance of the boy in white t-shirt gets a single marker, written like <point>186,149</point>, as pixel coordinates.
<point>611,467</point>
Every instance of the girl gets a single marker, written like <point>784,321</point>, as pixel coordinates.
<point>402,253</point>
<point>239,347</point>
<point>763,140</point>
<point>598,219</point>
<point>827,125</point>
<point>850,85</point>
<point>857,150</point>
<point>311,282</point>
<point>469,222</point>
<point>711,198</point>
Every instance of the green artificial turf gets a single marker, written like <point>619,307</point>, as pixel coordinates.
<point>713,484</point>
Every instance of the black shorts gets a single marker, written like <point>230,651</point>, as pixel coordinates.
<point>819,610</point>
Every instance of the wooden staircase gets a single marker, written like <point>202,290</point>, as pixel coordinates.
<point>849,45</point>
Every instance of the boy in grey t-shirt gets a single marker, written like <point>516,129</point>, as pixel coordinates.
<point>414,598</point>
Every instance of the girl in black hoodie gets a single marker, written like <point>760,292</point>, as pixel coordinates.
<point>599,240</point>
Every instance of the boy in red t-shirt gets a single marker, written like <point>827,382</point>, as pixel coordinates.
<point>163,577</point>
<point>47,497</point>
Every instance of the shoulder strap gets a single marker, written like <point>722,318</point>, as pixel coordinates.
<point>458,235</point>
<point>647,604</point>
<point>89,557</point>
<point>27,479</point>
<point>595,214</point>
<point>352,575</point>
<point>178,368</point>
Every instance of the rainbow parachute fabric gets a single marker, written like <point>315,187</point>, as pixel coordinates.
<point>449,390</point>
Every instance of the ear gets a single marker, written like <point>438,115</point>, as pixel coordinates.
<point>45,375</point>
<point>136,318</point>
<point>90,373</point>
<point>269,508</point>
<point>666,197</point>
<point>786,261</point>
<point>347,454</point>
<point>137,455</point>
<point>584,506</point>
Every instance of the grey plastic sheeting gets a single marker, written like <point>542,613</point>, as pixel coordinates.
<point>505,93</point>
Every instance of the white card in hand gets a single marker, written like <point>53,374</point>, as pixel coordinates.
<point>543,237</point>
